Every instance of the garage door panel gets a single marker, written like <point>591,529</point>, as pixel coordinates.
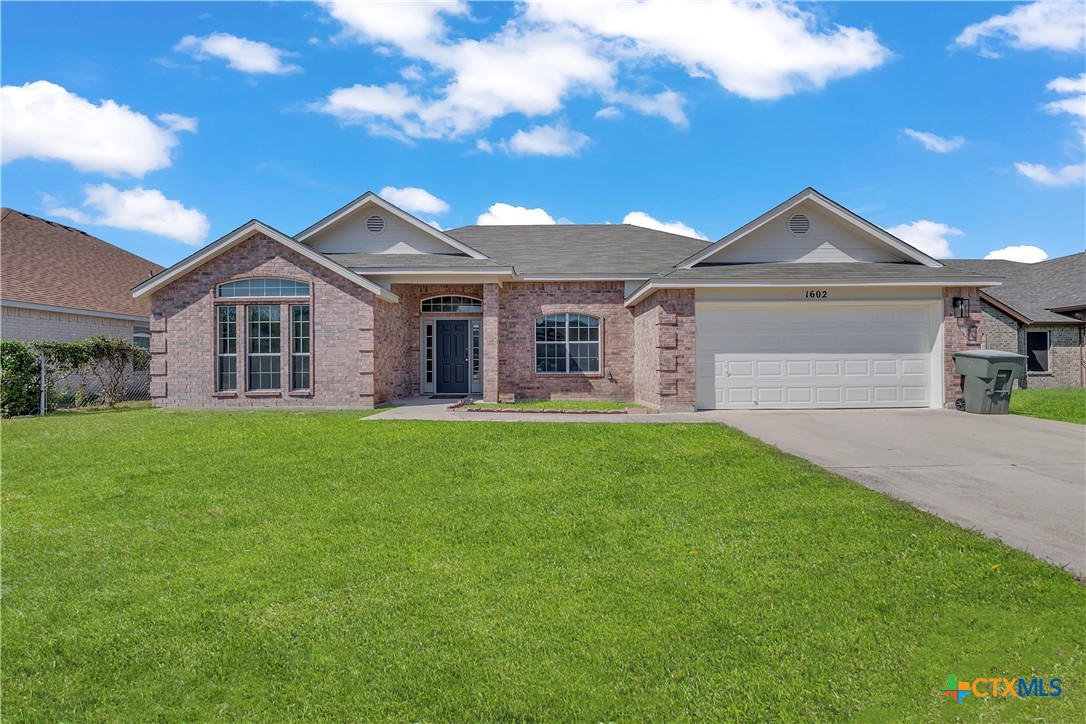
<point>829,356</point>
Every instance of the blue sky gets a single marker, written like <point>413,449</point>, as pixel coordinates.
<point>161,126</point>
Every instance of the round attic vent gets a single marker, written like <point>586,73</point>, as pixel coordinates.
<point>375,224</point>
<point>799,224</point>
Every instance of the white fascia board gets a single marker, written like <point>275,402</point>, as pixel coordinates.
<point>827,204</point>
<point>582,278</point>
<point>647,289</point>
<point>239,235</point>
<point>71,310</point>
<point>371,198</point>
<point>429,271</point>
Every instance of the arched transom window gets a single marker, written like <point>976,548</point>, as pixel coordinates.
<point>567,343</point>
<point>451,304</point>
<point>261,288</point>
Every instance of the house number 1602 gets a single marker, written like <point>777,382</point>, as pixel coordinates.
<point>817,294</point>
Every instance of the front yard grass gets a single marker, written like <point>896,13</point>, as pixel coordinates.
<point>1066,404</point>
<point>558,405</point>
<point>167,565</point>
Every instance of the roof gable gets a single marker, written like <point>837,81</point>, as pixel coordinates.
<point>50,264</point>
<point>239,235</point>
<point>836,235</point>
<point>345,231</point>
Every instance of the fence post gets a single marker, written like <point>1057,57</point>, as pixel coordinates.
<point>41,383</point>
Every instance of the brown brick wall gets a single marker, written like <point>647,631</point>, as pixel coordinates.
<point>183,329</point>
<point>520,303</point>
<point>664,338</point>
<point>958,334</point>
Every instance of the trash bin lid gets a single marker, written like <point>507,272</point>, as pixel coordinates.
<point>990,354</point>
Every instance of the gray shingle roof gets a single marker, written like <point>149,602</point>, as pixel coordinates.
<point>412,261</point>
<point>1032,290</point>
<point>604,249</point>
<point>789,271</point>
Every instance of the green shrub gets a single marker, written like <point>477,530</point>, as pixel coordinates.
<point>19,371</point>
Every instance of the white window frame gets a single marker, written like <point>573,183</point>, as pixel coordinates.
<point>250,280</point>
<point>309,346</point>
<point>566,342</point>
<point>249,355</point>
<point>219,354</point>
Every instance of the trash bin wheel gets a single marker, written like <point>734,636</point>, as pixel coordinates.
<point>959,404</point>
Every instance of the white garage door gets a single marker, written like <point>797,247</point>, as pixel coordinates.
<point>815,356</point>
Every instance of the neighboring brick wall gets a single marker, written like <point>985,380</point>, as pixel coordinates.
<point>664,339</point>
<point>1065,353</point>
<point>397,332</point>
<point>183,342</point>
<point>520,303</point>
<point>958,334</point>
<point>30,325</point>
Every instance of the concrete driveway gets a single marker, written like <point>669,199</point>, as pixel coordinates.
<point>1014,478</point>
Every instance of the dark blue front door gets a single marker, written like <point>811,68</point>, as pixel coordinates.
<point>452,356</point>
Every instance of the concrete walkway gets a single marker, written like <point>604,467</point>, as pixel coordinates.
<point>1018,479</point>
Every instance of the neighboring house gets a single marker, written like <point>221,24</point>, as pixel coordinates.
<point>62,284</point>
<point>807,306</point>
<point>1038,311</point>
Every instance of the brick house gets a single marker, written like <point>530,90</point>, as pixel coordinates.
<point>1039,311</point>
<point>806,306</point>
<point>62,284</point>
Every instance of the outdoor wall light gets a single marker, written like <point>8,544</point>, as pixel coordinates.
<point>961,306</point>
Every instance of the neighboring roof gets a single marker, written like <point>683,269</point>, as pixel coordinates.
<point>810,194</point>
<point>239,235</point>
<point>50,264</point>
<point>371,198</point>
<point>1031,291</point>
<point>603,250</point>
<point>411,261</point>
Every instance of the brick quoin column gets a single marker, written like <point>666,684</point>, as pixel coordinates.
<point>491,293</point>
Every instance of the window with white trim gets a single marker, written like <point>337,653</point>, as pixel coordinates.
<point>567,344</point>
<point>226,349</point>
<point>259,288</point>
<point>451,304</point>
<point>263,362</point>
<point>299,347</point>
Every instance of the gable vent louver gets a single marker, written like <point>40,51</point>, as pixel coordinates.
<point>799,224</point>
<point>375,224</point>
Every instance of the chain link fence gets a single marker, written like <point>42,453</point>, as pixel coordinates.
<point>94,386</point>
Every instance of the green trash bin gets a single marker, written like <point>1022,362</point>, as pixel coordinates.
<point>989,376</point>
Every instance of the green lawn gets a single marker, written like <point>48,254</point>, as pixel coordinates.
<point>260,565</point>
<point>1066,404</point>
<point>558,405</point>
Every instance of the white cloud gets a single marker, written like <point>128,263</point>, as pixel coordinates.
<point>929,237</point>
<point>667,105</point>
<point>1065,176</point>
<point>550,52</point>
<point>504,214</point>
<point>241,54</point>
<point>1025,254</point>
<point>137,209</point>
<point>409,25</point>
<point>610,113</point>
<point>1075,89</point>
<point>44,121</point>
<point>640,218</point>
<point>547,141</point>
<point>754,50</point>
<point>1039,25</point>
<point>177,123</point>
<point>935,143</point>
<point>414,200</point>
<point>411,73</point>
<point>484,146</point>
